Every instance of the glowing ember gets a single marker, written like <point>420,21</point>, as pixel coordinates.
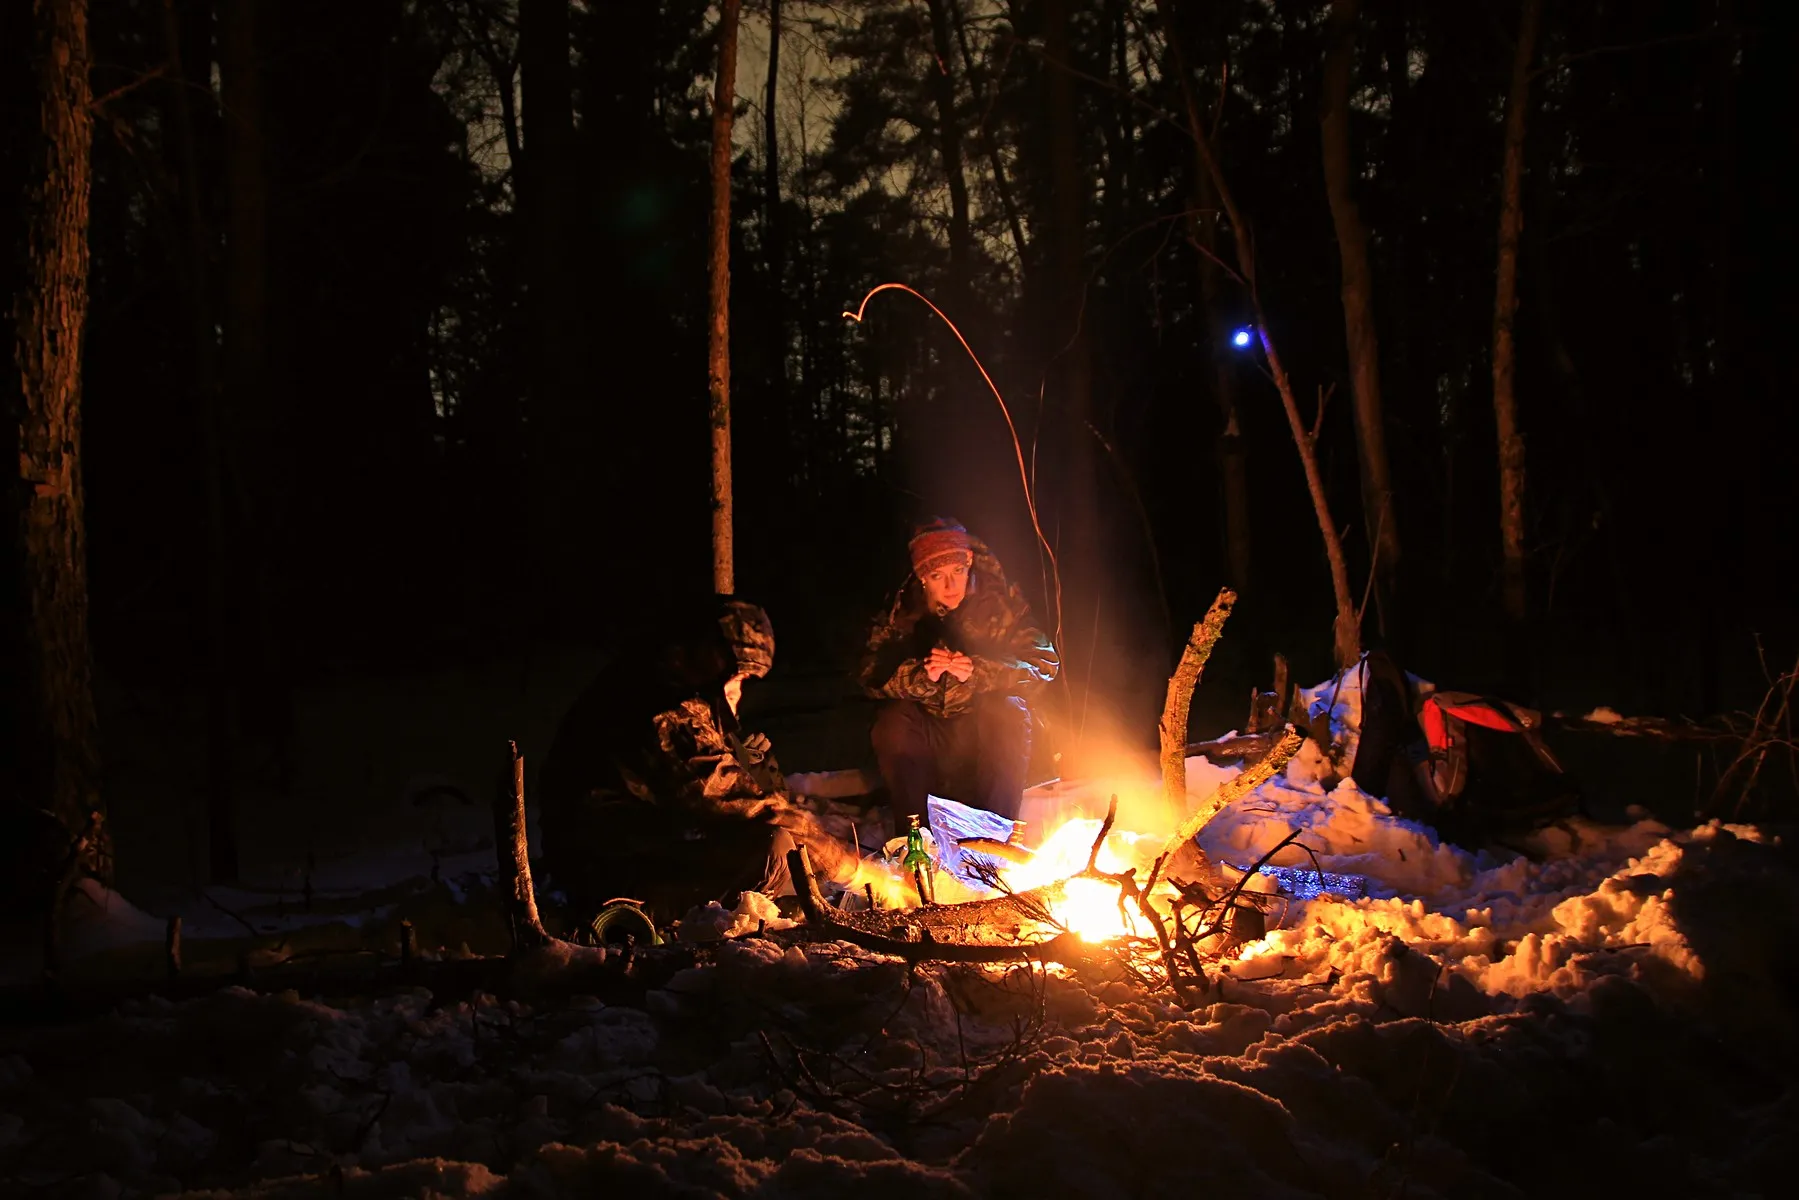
<point>1090,908</point>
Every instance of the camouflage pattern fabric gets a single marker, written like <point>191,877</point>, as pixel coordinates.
<point>651,791</point>
<point>992,625</point>
<point>751,636</point>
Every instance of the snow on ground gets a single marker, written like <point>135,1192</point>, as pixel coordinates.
<point>1614,1010</point>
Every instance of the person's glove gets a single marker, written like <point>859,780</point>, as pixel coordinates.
<point>756,747</point>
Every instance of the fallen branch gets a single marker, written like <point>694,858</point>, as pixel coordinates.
<point>1064,947</point>
<point>1227,903</point>
<point>1236,749</point>
<point>1177,705</point>
<point>1658,729</point>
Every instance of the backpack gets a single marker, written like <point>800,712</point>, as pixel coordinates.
<point>1460,761</point>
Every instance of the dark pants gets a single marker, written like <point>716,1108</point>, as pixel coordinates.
<point>979,758</point>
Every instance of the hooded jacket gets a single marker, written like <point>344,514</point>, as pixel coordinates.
<point>992,625</point>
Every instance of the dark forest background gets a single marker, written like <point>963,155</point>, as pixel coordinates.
<point>396,354</point>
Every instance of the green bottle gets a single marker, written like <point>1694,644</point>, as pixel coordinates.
<point>918,861</point>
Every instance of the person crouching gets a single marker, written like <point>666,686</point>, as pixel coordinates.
<point>957,658</point>
<point>651,789</point>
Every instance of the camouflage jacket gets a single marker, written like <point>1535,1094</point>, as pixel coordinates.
<point>653,732</point>
<point>702,766</point>
<point>992,625</point>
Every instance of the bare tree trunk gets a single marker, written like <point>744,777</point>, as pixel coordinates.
<point>50,321</point>
<point>1346,631</point>
<point>559,505</point>
<point>771,202</point>
<point>1358,294</point>
<point>1505,307</point>
<point>504,75</point>
<point>512,850</point>
<point>254,416</point>
<point>978,89</point>
<point>718,357</point>
<point>222,862</point>
<point>1233,457</point>
<point>949,146</point>
<point>1069,184</point>
<point>1068,364</point>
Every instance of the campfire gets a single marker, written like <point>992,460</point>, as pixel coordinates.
<point>1148,901</point>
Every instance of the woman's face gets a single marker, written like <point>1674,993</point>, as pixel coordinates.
<point>946,586</point>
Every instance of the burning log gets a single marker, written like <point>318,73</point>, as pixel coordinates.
<point>993,848</point>
<point>1180,696</point>
<point>512,849</point>
<point>1063,947</point>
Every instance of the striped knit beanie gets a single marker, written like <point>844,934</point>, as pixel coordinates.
<point>939,543</point>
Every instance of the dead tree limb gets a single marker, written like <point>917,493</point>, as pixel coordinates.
<point>1176,706</point>
<point>1228,901</point>
<point>1346,631</point>
<point>1105,827</point>
<point>1240,785</point>
<point>1235,749</point>
<point>512,849</point>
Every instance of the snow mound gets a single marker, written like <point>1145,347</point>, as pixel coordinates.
<point>1627,990</point>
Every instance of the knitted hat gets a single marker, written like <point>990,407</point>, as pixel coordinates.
<point>750,635</point>
<point>939,543</point>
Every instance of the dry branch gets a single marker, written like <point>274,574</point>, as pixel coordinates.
<point>1064,947</point>
<point>1180,695</point>
<point>1235,749</point>
<point>1248,780</point>
<point>1105,827</point>
<point>512,849</point>
<point>1227,903</point>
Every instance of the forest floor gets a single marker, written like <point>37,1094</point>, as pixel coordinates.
<point>1604,1007</point>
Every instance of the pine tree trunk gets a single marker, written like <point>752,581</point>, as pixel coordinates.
<point>1068,365</point>
<point>718,357</point>
<point>1233,456</point>
<point>251,437</point>
<point>1069,185</point>
<point>1358,293</point>
<point>771,222</point>
<point>1505,307</point>
<point>50,319</point>
<point>1002,187</point>
<point>949,146</point>
<point>222,863</point>
<point>546,175</point>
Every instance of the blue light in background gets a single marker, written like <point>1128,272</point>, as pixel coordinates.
<point>1241,338</point>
